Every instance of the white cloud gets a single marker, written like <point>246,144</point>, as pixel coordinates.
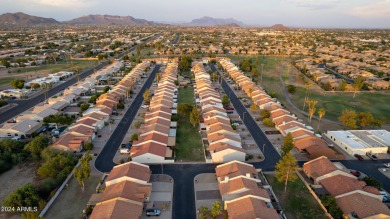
<point>315,4</point>
<point>75,4</point>
<point>379,9</point>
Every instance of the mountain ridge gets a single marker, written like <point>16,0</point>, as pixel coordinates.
<point>21,18</point>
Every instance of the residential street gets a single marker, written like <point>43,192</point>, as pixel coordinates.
<point>24,105</point>
<point>104,162</point>
<point>183,174</point>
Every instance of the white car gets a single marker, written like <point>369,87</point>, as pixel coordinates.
<point>145,106</point>
<point>387,165</point>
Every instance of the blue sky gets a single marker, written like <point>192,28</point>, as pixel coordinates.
<point>293,13</point>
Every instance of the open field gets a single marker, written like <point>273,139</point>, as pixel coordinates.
<point>72,200</point>
<point>18,176</point>
<point>6,80</point>
<point>297,202</point>
<point>53,68</point>
<point>188,141</point>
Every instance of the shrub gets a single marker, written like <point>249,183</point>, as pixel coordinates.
<point>291,89</point>
<point>268,122</point>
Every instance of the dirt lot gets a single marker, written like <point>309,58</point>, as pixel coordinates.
<point>14,178</point>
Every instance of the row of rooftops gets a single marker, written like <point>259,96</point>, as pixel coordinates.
<point>355,198</point>
<point>223,141</point>
<point>29,121</point>
<point>241,192</point>
<point>127,188</point>
<point>93,119</point>
<point>285,122</point>
<point>153,142</point>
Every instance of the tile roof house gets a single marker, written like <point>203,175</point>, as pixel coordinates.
<point>233,169</point>
<point>362,206</point>
<point>130,171</point>
<point>127,189</point>
<point>321,168</point>
<point>117,209</point>
<point>250,207</point>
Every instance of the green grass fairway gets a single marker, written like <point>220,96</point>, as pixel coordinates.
<point>60,66</point>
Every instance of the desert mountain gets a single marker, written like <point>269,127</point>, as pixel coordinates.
<point>109,19</point>
<point>24,19</point>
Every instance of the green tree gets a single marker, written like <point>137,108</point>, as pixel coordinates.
<point>291,89</point>
<point>348,118</point>
<point>185,63</point>
<point>93,99</point>
<point>225,100</point>
<point>288,143</point>
<point>184,108</point>
<point>26,195</point>
<point>365,119</point>
<point>285,169</point>
<point>120,105</point>
<point>327,86</point>
<point>357,85</point>
<point>17,83</point>
<point>134,137</point>
<point>268,122</point>
<point>330,204</point>
<point>137,124</point>
<point>343,85</point>
<point>36,86</point>
<point>58,119</point>
<point>3,103</point>
<point>88,146</point>
<point>5,63</point>
<point>372,181</point>
<point>106,89</point>
<point>204,212</point>
<point>36,146</point>
<point>194,116</point>
<point>146,95</point>
<point>265,114</point>
<point>254,107</point>
<point>84,106</point>
<point>321,113</point>
<point>83,172</point>
<point>216,209</point>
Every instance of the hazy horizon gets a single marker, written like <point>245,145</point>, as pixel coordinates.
<point>292,13</point>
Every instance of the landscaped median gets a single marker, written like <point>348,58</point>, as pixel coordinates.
<point>188,141</point>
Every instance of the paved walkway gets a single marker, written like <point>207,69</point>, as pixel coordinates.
<point>206,190</point>
<point>161,196</point>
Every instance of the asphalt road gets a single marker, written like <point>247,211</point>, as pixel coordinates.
<point>24,105</point>
<point>270,153</point>
<point>104,162</point>
<point>183,174</point>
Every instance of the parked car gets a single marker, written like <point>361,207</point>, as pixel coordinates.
<point>372,156</point>
<point>387,165</point>
<point>355,173</point>
<point>125,149</point>
<point>383,192</point>
<point>145,106</point>
<point>153,212</point>
<point>386,199</point>
<point>359,157</point>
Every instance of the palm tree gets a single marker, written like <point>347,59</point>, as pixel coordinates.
<point>321,113</point>
<point>307,86</point>
<point>312,109</point>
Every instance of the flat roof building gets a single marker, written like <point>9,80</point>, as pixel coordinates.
<point>361,141</point>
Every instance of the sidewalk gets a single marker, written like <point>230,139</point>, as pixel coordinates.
<point>206,191</point>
